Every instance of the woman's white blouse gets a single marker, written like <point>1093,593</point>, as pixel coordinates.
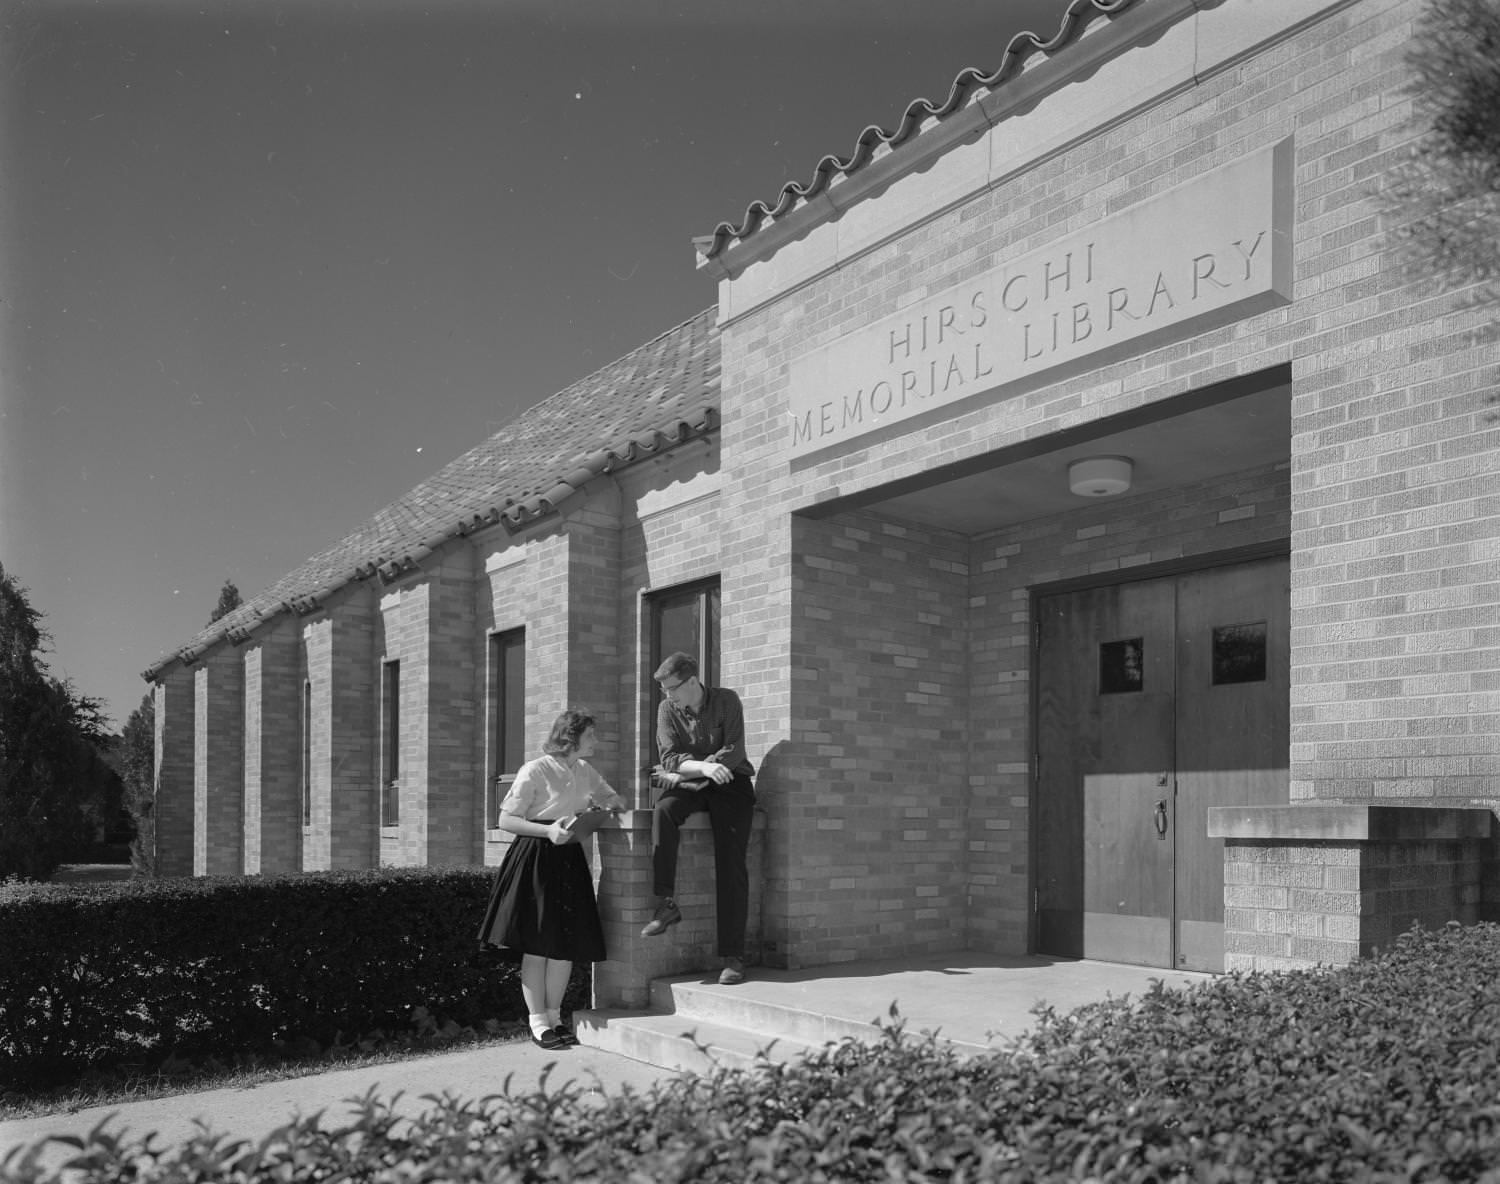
<point>550,788</point>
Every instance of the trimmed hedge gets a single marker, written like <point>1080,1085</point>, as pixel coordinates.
<point>126,973</point>
<point>1381,1071</point>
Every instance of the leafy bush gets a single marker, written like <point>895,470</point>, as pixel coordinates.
<point>145,969</point>
<point>1382,1071</point>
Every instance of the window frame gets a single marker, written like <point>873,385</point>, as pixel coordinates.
<point>390,744</point>
<point>503,764</point>
<point>307,721</point>
<point>709,594</point>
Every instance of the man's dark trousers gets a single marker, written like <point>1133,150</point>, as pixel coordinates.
<point>731,811</point>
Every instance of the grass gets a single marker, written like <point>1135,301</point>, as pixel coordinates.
<point>172,1077</point>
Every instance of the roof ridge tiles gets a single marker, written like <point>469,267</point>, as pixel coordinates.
<point>831,169</point>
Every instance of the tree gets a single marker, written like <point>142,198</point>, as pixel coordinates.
<point>1446,194</point>
<point>229,600</point>
<point>138,772</point>
<point>52,776</point>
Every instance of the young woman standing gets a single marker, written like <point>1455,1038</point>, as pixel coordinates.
<point>542,904</point>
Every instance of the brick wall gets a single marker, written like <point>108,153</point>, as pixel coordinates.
<point>428,625</point>
<point>1315,884</point>
<point>1395,530</point>
<point>869,817</point>
<point>172,802</point>
<point>273,787</point>
<point>339,647</point>
<point>218,764</point>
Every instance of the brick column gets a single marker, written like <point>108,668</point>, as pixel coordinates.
<point>430,627</point>
<point>273,745</point>
<point>454,766</point>
<point>172,807</point>
<point>622,878</point>
<point>1327,885</point>
<point>341,668</point>
<point>218,765</point>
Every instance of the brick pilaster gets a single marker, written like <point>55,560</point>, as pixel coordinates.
<point>340,665</point>
<point>172,806</point>
<point>218,764</point>
<point>273,745</point>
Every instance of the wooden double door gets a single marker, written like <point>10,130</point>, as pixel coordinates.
<point>1156,700</point>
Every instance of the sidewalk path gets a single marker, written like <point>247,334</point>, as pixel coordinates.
<point>251,1112</point>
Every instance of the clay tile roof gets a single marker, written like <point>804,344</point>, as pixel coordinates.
<point>655,397</point>
<point>876,142</point>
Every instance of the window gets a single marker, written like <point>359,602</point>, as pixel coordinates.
<point>1121,666</point>
<point>390,743</point>
<point>686,619</point>
<point>508,718</point>
<point>1239,653</point>
<point>307,752</point>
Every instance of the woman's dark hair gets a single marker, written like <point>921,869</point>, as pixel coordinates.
<point>567,731</point>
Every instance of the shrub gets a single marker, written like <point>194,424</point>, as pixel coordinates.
<point>1382,1071</point>
<point>97,975</point>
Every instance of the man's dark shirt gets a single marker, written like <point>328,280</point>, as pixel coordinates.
<point>685,735</point>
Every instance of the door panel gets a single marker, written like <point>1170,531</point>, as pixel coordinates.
<point>1105,722</point>
<point>1156,699</point>
<point>1233,741</point>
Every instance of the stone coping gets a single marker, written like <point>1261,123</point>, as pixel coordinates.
<point>1349,823</point>
<point>640,820</point>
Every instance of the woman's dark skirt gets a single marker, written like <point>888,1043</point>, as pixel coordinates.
<point>543,903</point>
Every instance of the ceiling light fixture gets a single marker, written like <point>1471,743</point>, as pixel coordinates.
<point>1100,476</point>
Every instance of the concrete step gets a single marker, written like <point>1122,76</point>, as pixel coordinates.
<point>694,1024</point>
<point>681,1042</point>
<point>753,1011</point>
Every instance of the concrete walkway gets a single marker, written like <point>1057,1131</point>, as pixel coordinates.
<point>968,998</point>
<point>975,999</point>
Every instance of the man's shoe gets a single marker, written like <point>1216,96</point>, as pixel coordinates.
<point>667,915</point>
<point>548,1039</point>
<point>733,972</point>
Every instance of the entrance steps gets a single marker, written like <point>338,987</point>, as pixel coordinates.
<point>973,1001</point>
<point>696,1025</point>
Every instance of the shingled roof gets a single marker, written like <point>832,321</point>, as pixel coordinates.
<point>658,396</point>
<point>919,115</point>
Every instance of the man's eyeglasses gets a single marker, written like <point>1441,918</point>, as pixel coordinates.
<point>668,690</point>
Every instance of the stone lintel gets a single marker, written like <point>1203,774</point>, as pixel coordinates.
<point>1348,823</point>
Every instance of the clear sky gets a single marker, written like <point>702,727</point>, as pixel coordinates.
<point>264,265</point>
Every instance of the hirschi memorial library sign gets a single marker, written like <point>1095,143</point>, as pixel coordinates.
<point>1209,251</point>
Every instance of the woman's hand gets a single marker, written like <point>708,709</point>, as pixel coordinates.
<point>560,835</point>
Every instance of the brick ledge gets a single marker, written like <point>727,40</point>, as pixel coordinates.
<point>1414,824</point>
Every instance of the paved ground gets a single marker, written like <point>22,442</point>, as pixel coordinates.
<point>254,1111</point>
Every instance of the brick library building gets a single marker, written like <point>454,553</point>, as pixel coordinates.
<point>1097,519</point>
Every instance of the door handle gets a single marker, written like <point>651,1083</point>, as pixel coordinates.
<point>1161,820</point>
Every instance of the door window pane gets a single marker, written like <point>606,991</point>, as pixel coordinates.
<point>307,716</point>
<point>1121,666</point>
<point>1239,653</point>
<point>390,744</point>
<point>684,619</point>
